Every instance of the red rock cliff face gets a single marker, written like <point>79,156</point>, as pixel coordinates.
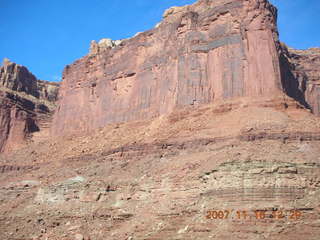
<point>301,68</point>
<point>25,103</point>
<point>205,52</point>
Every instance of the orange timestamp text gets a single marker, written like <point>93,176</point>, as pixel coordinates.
<point>254,214</point>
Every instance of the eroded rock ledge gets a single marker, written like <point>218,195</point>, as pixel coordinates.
<point>27,104</point>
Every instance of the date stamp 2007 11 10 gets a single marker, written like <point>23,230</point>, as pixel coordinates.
<point>254,214</point>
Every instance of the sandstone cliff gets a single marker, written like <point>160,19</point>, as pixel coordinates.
<point>237,136</point>
<point>207,52</point>
<point>26,103</point>
<point>301,71</point>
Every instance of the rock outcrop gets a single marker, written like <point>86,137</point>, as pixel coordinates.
<point>300,68</point>
<point>25,104</point>
<point>207,52</point>
<point>102,45</point>
<point>19,79</point>
<point>236,157</point>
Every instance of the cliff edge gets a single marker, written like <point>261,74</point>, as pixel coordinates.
<point>27,104</point>
<point>207,52</point>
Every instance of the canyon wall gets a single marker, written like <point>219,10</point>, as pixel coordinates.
<point>301,71</point>
<point>207,52</point>
<point>26,103</point>
<point>202,53</point>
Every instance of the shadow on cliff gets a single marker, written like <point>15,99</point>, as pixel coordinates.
<point>294,86</point>
<point>31,126</point>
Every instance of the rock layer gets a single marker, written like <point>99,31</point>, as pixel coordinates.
<point>25,103</point>
<point>202,53</point>
<point>157,179</point>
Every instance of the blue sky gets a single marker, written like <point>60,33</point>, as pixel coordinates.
<point>46,35</point>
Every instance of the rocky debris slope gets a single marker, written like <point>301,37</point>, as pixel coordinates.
<point>158,179</point>
<point>206,52</point>
<point>25,103</point>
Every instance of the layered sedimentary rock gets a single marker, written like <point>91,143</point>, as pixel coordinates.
<point>25,104</point>
<point>216,171</point>
<point>19,79</point>
<point>202,53</point>
<point>301,68</point>
<point>168,178</point>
